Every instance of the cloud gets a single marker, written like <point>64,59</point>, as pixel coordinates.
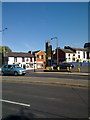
<point>27,46</point>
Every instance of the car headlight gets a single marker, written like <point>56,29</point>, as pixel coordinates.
<point>20,70</point>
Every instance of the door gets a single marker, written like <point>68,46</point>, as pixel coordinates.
<point>8,69</point>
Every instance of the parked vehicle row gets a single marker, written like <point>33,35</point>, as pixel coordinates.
<point>62,66</point>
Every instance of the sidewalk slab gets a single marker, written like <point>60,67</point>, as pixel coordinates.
<point>67,73</point>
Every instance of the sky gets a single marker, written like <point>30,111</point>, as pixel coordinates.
<point>31,24</point>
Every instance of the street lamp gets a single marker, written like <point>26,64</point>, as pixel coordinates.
<point>56,46</point>
<point>3,48</point>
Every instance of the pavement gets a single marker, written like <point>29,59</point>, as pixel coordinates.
<point>67,73</point>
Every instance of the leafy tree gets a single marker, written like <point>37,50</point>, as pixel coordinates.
<point>3,50</point>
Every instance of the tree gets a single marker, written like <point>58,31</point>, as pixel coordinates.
<point>3,51</point>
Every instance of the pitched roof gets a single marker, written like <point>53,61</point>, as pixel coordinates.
<point>19,54</point>
<point>80,49</point>
<point>75,49</point>
<point>67,51</point>
<point>35,52</point>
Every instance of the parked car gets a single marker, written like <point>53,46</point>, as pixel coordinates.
<point>63,66</point>
<point>12,69</point>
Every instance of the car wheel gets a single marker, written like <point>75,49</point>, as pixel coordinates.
<point>15,73</point>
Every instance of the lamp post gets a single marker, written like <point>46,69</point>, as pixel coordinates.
<point>3,48</point>
<point>55,38</point>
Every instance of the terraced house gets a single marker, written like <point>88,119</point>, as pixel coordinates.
<point>71,54</point>
<point>24,60</point>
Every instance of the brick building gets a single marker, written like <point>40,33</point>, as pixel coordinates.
<point>40,59</point>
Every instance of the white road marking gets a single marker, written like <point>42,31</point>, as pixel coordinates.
<point>7,101</point>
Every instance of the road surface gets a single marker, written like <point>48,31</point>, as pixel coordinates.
<point>45,101</point>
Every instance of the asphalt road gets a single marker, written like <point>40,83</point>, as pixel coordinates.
<point>46,101</point>
<point>55,75</point>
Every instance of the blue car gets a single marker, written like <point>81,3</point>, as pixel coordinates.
<point>12,69</point>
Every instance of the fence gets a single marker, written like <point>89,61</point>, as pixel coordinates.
<point>81,67</point>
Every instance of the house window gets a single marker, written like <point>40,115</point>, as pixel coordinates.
<point>23,59</point>
<point>83,54</point>
<point>41,56</point>
<point>30,59</point>
<point>68,54</point>
<point>27,59</point>
<point>78,52</point>
<point>88,55</point>
<point>15,59</point>
<point>78,56</point>
<point>37,56</point>
<point>73,59</point>
<point>73,54</point>
<point>31,65</point>
<point>39,65</point>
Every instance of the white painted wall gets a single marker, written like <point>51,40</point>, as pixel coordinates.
<point>76,56</point>
<point>19,60</point>
<point>10,60</point>
<point>81,55</point>
<point>67,57</point>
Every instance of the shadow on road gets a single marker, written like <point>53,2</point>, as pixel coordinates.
<point>30,116</point>
<point>20,116</point>
<point>25,114</point>
<point>16,117</point>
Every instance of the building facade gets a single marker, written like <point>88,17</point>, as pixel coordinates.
<point>80,54</point>
<point>70,54</point>
<point>40,59</point>
<point>24,60</point>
